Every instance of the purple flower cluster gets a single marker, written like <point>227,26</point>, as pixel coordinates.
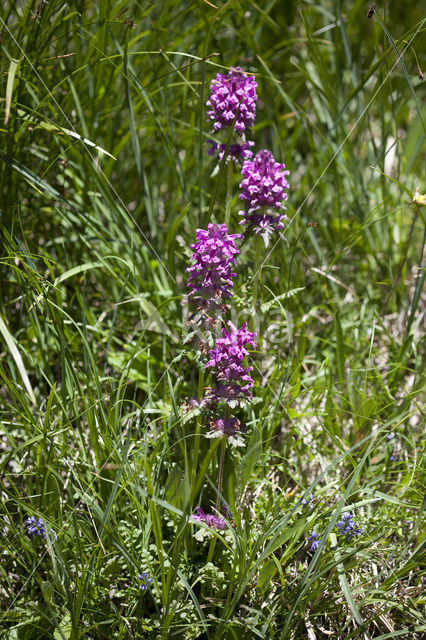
<point>210,280</point>
<point>226,427</point>
<point>236,152</point>
<point>145,581</point>
<point>232,100</point>
<point>212,521</point>
<point>263,190</point>
<point>35,527</point>
<point>315,540</point>
<point>265,183</point>
<point>234,379</point>
<point>348,527</point>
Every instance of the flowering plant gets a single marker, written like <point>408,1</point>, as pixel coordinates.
<point>263,190</point>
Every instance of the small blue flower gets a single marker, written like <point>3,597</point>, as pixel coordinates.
<point>35,527</point>
<point>315,539</point>
<point>348,527</point>
<point>392,458</point>
<point>390,436</point>
<point>145,581</point>
<point>308,501</point>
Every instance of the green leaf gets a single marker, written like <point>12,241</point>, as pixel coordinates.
<point>18,359</point>
<point>9,88</point>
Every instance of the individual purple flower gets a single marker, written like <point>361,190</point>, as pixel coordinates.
<point>35,527</point>
<point>348,527</point>
<point>263,224</point>
<point>212,521</point>
<point>226,392</point>
<point>315,540</point>
<point>390,436</point>
<point>232,100</point>
<point>226,427</point>
<point>227,357</point>
<point>308,501</point>
<point>210,279</point>
<point>145,581</point>
<point>263,190</point>
<point>236,152</point>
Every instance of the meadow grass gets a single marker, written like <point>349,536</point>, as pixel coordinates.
<point>105,178</point>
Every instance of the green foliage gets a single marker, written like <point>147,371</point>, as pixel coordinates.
<point>104,178</point>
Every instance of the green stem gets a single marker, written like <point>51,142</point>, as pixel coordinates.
<point>220,477</point>
<point>257,269</point>
<point>211,551</point>
<point>219,491</point>
<point>229,184</point>
<point>197,430</point>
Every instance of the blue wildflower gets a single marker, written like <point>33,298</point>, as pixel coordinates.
<point>308,501</point>
<point>145,580</point>
<point>348,527</point>
<point>390,436</point>
<point>315,540</point>
<point>35,527</point>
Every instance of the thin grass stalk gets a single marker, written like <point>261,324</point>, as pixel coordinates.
<point>257,270</point>
<point>220,475</point>
<point>201,377</point>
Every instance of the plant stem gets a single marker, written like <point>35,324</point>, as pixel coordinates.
<point>256,269</point>
<point>220,477</point>
<point>197,429</point>
<point>229,183</point>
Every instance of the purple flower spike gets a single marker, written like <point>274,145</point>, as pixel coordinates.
<point>264,182</point>
<point>227,357</point>
<point>210,279</point>
<point>232,98</point>
<point>263,189</point>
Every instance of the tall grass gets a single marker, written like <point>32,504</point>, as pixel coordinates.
<point>104,179</point>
